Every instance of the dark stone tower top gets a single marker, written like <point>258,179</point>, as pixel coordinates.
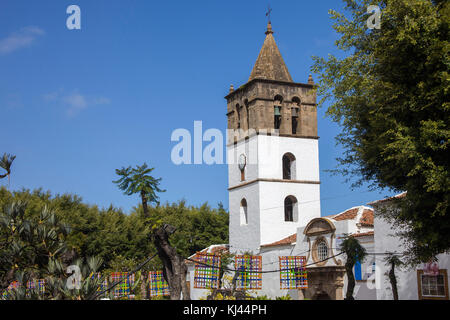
<point>271,99</point>
<point>270,64</point>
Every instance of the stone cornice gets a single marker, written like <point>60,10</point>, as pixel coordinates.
<point>284,101</point>
<point>285,83</point>
<point>278,135</point>
<point>273,180</point>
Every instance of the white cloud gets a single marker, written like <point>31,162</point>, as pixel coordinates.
<point>22,38</point>
<point>75,102</point>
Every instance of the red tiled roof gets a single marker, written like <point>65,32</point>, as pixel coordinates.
<point>286,241</point>
<point>347,215</point>
<point>367,217</point>
<point>221,249</point>
<point>398,196</point>
<point>364,234</point>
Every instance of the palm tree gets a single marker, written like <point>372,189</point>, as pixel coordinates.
<point>394,261</point>
<point>354,252</point>
<point>5,163</point>
<point>138,180</point>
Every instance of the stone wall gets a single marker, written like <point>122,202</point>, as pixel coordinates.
<point>252,107</point>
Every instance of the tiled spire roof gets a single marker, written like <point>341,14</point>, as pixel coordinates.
<point>270,64</point>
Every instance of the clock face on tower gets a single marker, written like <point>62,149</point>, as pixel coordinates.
<point>242,162</point>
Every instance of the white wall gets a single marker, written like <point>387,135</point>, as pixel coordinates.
<point>245,237</point>
<point>265,199</point>
<point>250,149</point>
<point>272,148</point>
<point>387,241</point>
<point>273,225</point>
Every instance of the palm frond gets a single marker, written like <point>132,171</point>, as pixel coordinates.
<point>5,163</point>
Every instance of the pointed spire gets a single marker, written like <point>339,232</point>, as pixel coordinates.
<point>270,64</point>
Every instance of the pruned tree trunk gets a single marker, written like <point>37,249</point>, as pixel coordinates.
<point>6,280</point>
<point>350,282</point>
<point>175,269</point>
<point>144,204</point>
<point>144,285</point>
<point>393,281</point>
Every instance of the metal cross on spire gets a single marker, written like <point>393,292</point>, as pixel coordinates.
<point>269,10</point>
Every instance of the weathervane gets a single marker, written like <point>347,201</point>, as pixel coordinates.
<point>269,10</point>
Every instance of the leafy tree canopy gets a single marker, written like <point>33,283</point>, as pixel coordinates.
<point>390,94</point>
<point>138,180</point>
<point>123,240</point>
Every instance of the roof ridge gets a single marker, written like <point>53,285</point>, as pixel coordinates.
<point>285,241</point>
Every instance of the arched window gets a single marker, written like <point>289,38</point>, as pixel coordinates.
<point>278,98</point>
<point>238,116</point>
<point>288,166</point>
<point>295,114</point>
<point>296,101</point>
<point>243,212</point>
<point>246,112</point>
<point>277,111</point>
<point>322,250</point>
<point>290,209</point>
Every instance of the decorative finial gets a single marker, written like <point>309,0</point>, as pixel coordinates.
<point>269,10</point>
<point>269,28</point>
<point>269,25</point>
<point>231,88</point>
<point>310,79</point>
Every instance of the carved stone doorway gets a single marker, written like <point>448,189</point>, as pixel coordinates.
<point>324,283</point>
<point>321,296</point>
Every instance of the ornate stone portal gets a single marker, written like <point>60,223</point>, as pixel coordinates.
<point>324,283</point>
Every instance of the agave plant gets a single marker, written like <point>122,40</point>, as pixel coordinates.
<point>90,282</point>
<point>57,282</point>
<point>27,288</point>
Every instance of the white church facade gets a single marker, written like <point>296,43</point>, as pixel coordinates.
<point>274,194</point>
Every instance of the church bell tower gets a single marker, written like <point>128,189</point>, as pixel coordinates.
<point>273,153</point>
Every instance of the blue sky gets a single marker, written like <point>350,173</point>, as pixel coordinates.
<point>77,104</point>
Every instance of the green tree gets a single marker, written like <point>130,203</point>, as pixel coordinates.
<point>354,252</point>
<point>138,180</point>
<point>390,94</point>
<point>122,241</point>
<point>174,267</point>
<point>114,235</point>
